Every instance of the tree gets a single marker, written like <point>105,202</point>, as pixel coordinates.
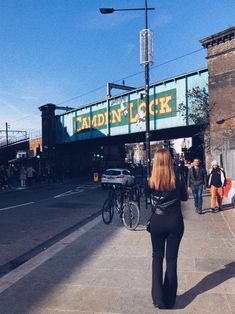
<point>198,112</point>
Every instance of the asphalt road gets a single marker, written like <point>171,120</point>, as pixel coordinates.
<point>33,219</point>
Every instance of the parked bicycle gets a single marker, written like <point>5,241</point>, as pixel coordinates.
<point>136,193</point>
<point>120,200</point>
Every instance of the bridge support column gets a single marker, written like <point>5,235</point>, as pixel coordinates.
<point>48,130</point>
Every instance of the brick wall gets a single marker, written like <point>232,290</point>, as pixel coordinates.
<point>34,143</point>
<point>221,70</point>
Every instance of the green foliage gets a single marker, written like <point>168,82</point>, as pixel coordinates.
<point>198,112</point>
<point>199,109</point>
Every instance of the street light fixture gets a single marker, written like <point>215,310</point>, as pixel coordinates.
<point>146,55</point>
<point>223,120</point>
<point>111,10</point>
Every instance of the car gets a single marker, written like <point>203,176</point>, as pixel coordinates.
<point>117,177</point>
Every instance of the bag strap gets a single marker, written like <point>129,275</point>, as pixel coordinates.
<point>156,203</point>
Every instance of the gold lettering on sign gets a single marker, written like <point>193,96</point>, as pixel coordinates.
<point>151,107</point>
<point>78,119</point>
<point>100,118</point>
<point>105,118</point>
<point>164,104</point>
<point>89,121</point>
<point>116,116</point>
<point>137,112</point>
<point>85,124</point>
<point>142,107</point>
<point>94,121</point>
<point>132,119</point>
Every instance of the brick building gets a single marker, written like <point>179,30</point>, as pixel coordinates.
<point>221,71</point>
<point>35,143</point>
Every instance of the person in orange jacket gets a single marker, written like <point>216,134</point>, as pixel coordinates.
<point>216,183</point>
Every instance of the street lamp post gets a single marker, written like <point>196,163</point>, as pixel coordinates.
<point>146,59</point>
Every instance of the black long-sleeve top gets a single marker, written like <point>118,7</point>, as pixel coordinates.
<point>169,202</point>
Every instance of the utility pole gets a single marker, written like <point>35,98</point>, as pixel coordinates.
<point>7,133</point>
<point>146,58</point>
<point>147,134</point>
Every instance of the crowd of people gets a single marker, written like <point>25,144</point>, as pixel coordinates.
<point>195,175</point>
<point>20,175</point>
<point>199,180</point>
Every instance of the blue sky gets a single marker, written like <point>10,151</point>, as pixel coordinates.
<point>56,50</point>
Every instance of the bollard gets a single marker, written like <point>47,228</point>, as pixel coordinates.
<point>95,177</point>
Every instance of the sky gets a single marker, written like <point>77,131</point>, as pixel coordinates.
<point>64,51</point>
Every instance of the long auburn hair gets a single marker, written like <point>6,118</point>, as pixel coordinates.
<point>163,174</point>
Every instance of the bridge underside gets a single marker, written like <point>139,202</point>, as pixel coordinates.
<point>156,135</point>
<point>80,156</point>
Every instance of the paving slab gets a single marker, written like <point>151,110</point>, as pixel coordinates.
<point>108,270</point>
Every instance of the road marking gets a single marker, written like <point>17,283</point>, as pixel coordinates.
<point>15,206</point>
<point>67,193</point>
<point>15,275</point>
<point>78,189</point>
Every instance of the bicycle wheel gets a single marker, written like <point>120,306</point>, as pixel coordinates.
<point>107,212</point>
<point>131,215</point>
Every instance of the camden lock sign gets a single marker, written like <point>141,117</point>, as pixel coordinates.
<point>122,112</point>
<point>126,114</point>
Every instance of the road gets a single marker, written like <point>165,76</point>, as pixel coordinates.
<point>33,219</point>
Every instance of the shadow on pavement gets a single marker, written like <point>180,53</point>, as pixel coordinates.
<point>64,274</point>
<point>224,208</point>
<point>33,289</point>
<point>209,282</point>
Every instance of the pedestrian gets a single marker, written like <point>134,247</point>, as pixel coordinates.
<point>197,180</point>
<point>167,189</point>
<point>23,174</point>
<point>216,183</point>
<point>183,169</point>
<point>30,174</point>
<point>3,177</point>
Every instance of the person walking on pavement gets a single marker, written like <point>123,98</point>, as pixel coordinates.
<point>216,183</point>
<point>23,174</point>
<point>167,189</point>
<point>197,179</point>
<point>30,174</point>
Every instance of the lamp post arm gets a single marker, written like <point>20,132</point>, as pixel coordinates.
<point>134,9</point>
<point>233,116</point>
<point>223,120</point>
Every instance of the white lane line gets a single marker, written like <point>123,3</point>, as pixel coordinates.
<point>78,189</point>
<point>15,206</point>
<point>15,275</point>
<point>71,192</point>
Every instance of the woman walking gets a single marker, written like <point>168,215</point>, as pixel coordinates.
<point>167,188</point>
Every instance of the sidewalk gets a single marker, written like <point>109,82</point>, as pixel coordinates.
<point>107,269</point>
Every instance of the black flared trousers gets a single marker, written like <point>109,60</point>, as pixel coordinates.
<point>166,234</point>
